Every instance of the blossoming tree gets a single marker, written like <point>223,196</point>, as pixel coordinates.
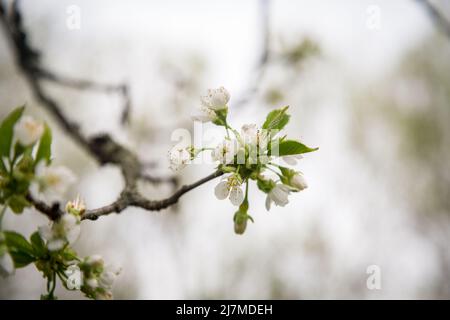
<point>28,179</point>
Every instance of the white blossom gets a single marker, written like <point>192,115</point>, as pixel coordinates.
<point>230,188</point>
<point>179,157</point>
<point>292,160</point>
<point>65,230</point>
<point>279,195</point>
<point>251,134</point>
<point>27,130</point>
<point>99,278</point>
<point>108,276</point>
<point>92,283</point>
<point>204,114</point>
<point>6,264</point>
<point>53,182</point>
<point>225,151</point>
<point>216,99</point>
<point>298,182</point>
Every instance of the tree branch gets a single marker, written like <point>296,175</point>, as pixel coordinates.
<point>438,18</point>
<point>80,84</point>
<point>101,147</point>
<point>137,200</point>
<point>53,212</point>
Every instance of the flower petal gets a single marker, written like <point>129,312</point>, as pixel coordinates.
<point>279,195</point>
<point>203,114</point>
<point>55,244</point>
<point>73,234</point>
<point>221,190</point>
<point>45,232</point>
<point>292,160</point>
<point>268,203</point>
<point>236,196</point>
<point>6,265</point>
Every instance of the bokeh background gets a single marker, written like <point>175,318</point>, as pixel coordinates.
<point>367,81</point>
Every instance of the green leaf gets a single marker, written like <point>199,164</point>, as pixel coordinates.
<point>69,254</point>
<point>7,130</point>
<point>44,151</point>
<point>17,203</point>
<point>289,147</point>
<point>17,241</point>
<point>38,244</point>
<point>276,119</point>
<point>21,259</point>
<point>20,249</point>
<point>265,185</point>
<point>18,150</point>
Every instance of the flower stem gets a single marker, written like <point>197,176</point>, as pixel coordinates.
<point>53,286</point>
<point>226,128</point>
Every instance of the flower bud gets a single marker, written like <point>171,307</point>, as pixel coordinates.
<point>240,222</point>
<point>28,130</point>
<point>298,182</point>
<point>92,283</point>
<point>95,261</point>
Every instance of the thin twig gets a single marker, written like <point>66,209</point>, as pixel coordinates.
<point>137,200</point>
<point>81,84</point>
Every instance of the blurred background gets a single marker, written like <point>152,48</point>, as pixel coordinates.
<point>367,81</point>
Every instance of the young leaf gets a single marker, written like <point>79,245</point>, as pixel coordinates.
<point>7,130</point>
<point>17,243</point>
<point>38,244</point>
<point>18,150</point>
<point>290,147</point>
<point>265,185</point>
<point>21,259</point>
<point>44,151</point>
<point>276,119</point>
<point>18,202</point>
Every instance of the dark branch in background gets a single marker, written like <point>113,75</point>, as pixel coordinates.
<point>157,180</point>
<point>101,147</point>
<point>438,18</point>
<point>81,84</point>
<point>263,60</point>
<point>137,200</point>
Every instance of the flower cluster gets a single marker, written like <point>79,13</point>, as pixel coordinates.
<point>50,250</point>
<point>249,154</point>
<point>98,278</point>
<point>26,173</point>
<point>25,163</point>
